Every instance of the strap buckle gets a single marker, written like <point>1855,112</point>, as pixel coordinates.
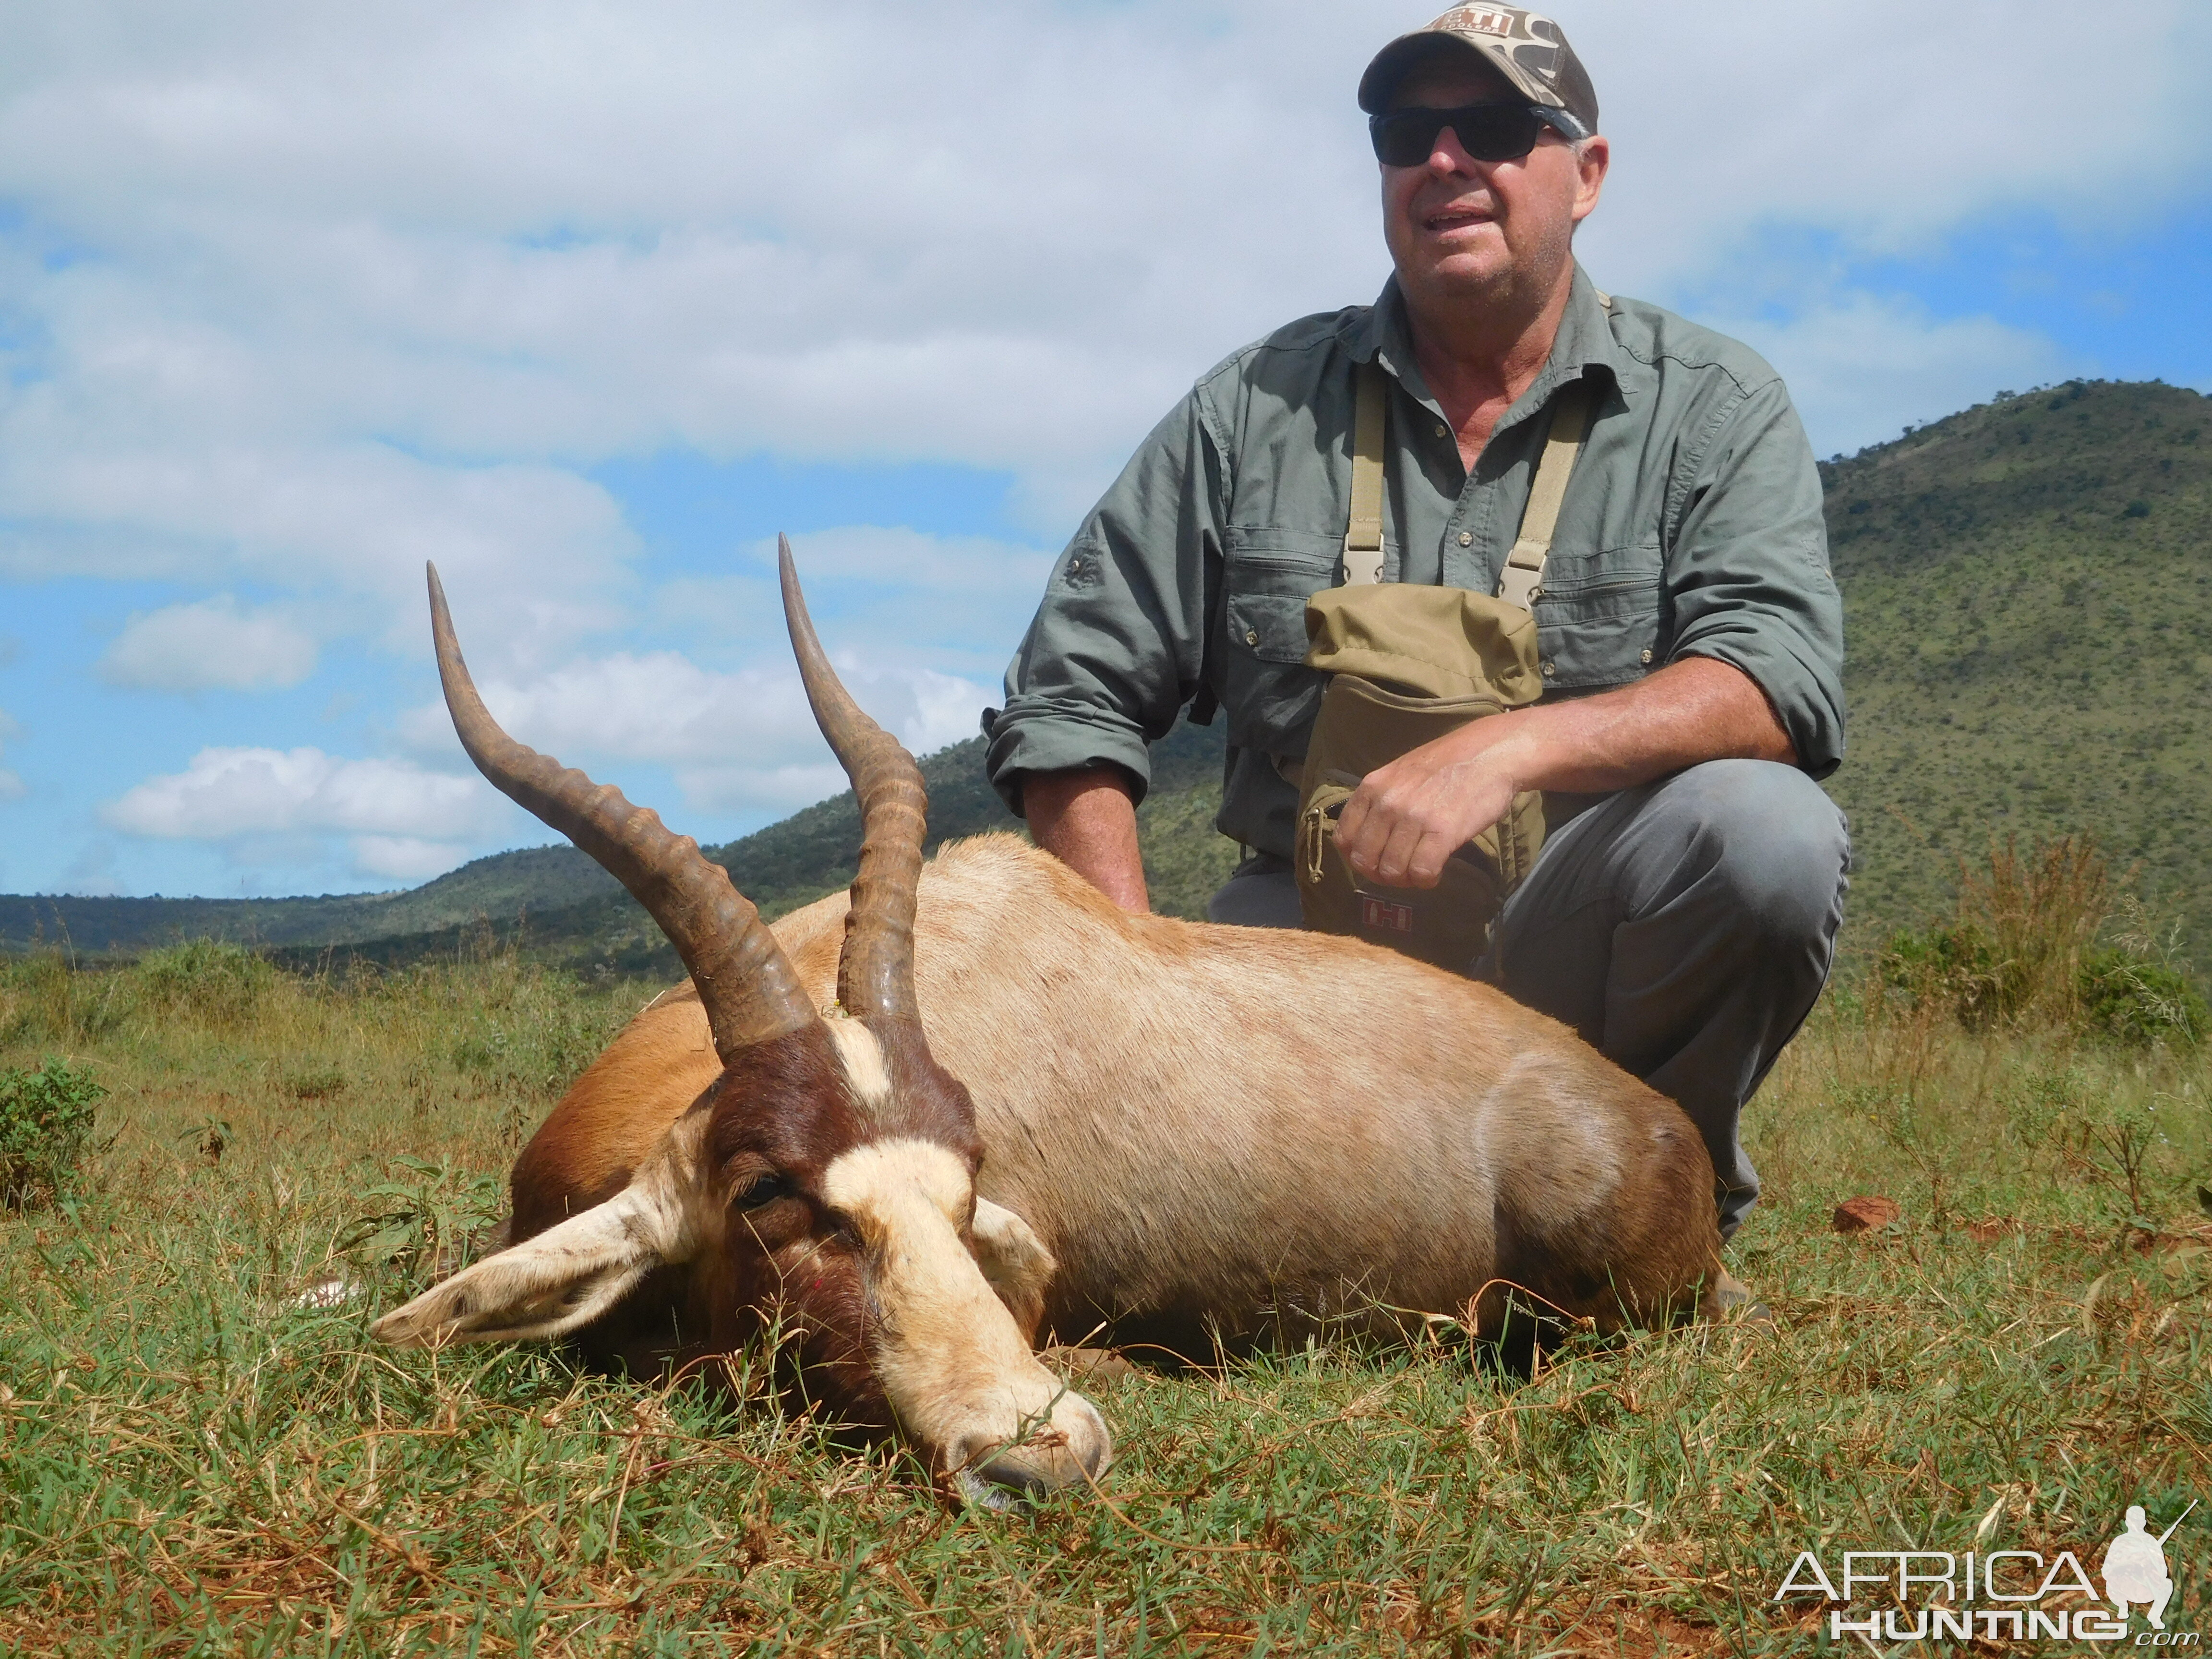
<point>1521,584</point>
<point>1362,565</point>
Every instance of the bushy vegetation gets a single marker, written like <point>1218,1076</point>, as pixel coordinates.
<point>2023,950</point>
<point>193,1460</point>
<point>216,982</point>
<point>46,1117</point>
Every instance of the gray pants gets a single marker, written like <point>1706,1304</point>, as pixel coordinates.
<point>1684,928</point>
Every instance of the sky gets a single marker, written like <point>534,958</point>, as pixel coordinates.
<point>588,301</point>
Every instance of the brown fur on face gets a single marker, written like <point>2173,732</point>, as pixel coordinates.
<point>819,1191</point>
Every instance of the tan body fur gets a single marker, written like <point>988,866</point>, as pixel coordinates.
<point>1220,1129</point>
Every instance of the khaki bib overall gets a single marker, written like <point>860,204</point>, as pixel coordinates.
<point>1408,663</point>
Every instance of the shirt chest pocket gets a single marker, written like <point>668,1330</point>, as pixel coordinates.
<point>1600,619</point>
<point>1269,576</point>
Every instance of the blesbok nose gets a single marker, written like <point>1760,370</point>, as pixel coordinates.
<point>1071,1448</point>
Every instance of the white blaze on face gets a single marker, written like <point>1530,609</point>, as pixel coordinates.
<point>950,1357</point>
<point>863,1058</point>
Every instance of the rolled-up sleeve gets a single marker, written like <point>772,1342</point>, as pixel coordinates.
<point>1119,644</point>
<point>1747,573</point>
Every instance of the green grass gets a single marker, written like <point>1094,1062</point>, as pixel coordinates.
<point>190,1464</point>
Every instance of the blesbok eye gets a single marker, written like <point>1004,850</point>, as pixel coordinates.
<point>765,1190</point>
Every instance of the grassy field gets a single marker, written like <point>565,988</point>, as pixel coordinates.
<point>190,1463</point>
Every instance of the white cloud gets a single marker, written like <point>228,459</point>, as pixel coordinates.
<point>227,793</point>
<point>12,787</point>
<point>314,326</point>
<point>406,857</point>
<point>733,741</point>
<point>208,645</point>
<point>343,291</point>
<point>1859,367</point>
<point>957,603</point>
<point>891,555</point>
<point>95,872</point>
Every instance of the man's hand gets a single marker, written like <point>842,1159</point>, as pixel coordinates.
<point>1407,817</point>
<point>1087,819</point>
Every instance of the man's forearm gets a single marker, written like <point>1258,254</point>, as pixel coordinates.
<point>1087,819</point>
<point>1407,817</point>
<point>1688,713</point>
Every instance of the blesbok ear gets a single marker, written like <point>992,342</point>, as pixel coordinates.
<point>1015,1263</point>
<point>568,1275</point>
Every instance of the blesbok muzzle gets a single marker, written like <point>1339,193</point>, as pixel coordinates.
<point>958,1373</point>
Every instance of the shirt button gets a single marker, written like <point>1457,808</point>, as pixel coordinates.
<point>1443,431</point>
<point>1251,637</point>
<point>1467,539</point>
<point>1644,655</point>
<point>1548,669</point>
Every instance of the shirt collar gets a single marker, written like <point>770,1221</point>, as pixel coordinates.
<point>1584,343</point>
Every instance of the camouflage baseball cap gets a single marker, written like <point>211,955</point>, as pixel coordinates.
<point>1527,48</point>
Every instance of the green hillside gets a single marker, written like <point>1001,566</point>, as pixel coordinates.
<point>2029,609</point>
<point>504,885</point>
<point>2029,602</point>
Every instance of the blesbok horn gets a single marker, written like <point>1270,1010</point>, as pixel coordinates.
<point>745,982</point>
<point>875,968</point>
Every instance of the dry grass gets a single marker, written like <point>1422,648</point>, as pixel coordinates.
<point>189,1464</point>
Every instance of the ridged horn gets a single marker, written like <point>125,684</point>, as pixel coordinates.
<point>875,970</point>
<point>745,982</point>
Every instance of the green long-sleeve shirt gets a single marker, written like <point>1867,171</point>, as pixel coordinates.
<point>1691,527</point>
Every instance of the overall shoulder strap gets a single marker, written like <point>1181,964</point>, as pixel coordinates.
<point>1363,540</point>
<point>1524,567</point>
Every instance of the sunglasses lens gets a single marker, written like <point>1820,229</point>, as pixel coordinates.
<point>1488,133</point>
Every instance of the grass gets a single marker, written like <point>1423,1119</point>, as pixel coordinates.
<point>192,1463</point>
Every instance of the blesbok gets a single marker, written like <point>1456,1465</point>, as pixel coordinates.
<point>1171,1133</point>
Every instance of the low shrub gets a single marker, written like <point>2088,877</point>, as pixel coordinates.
<point>213,980</point>
<point>424,1221</point>
<point>1955,968</point>
<point>2137,998</point>
<point>2021,951</point>
<point>533,1042</point>
<point>45,1128</point>
<point>313,1082</point>
<point>44,999</point>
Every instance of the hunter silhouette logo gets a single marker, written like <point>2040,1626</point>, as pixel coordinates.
<point>2007,1595</point>
<point>2135,1567</point>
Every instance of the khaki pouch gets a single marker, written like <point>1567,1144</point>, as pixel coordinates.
<point>1407,665</point>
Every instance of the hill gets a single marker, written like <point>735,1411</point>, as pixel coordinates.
<point>504,885</point>
<point>2028,594</point>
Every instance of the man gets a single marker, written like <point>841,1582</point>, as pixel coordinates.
<point>1682,915</point>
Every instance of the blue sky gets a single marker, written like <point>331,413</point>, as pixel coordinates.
<point>587,306</point>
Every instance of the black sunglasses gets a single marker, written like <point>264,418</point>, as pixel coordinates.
<point>1488,133</point>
